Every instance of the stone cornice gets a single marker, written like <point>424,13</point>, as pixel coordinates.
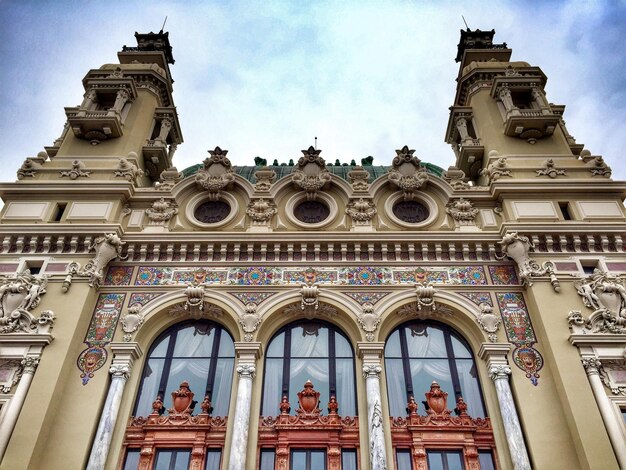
<point>529,187</point>
<point>56,188</point>
<point>601,340</point>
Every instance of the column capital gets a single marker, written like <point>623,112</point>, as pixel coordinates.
<point>120,370</point>
<point>371,371</point>
<point>29,364</point>
<point>124,356</point>
<point>592,365</point>
<point>247,371</point>
<point>249,350</point>
<point>499,371</point>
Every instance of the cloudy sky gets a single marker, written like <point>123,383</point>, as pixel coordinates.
<point>265,78</point>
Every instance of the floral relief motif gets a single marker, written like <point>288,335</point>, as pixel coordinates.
<point>216,174</point>
<point>606,296</point>
<point>77,171</point>
<point>311,173</point>
<point>359,178</point>
<point>264,179</point>
<point>548,168</point>
<point>161,211</point>
<point>496,170</point>
<point>407,173</point>
<point>29,168</point>
<point>128,170</point>
<point>462,211</point>
<point>261,210</point>
<point>361,210</point>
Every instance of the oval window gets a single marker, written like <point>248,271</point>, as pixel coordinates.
<point>411,212</point>
<point>212,212</point>
<point>311,212</point>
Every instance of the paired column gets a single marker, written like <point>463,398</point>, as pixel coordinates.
<point>499,373</point>
<point>371,353</point>
<point>247,354</point>
<point>29,365</point>
<point>592,367</point>
<point>125,355</point>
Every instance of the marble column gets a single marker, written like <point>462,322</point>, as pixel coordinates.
<point>613,426</point>
<point>239,441</point>
<point>378,457</point>
<point>517,448</point>
<point>28,365</point>
<point>104,434</point>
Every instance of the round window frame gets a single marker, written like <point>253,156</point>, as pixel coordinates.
<point>199,199</point>
<point>424,199</point>
<point>296,199</point>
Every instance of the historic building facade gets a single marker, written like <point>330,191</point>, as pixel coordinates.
<point>313,315</point>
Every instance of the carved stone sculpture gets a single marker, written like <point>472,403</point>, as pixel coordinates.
<point>249,321</point>
<point>161,211</point>
<point>455,178</point>
<point>548,168</point>
<point>308,399</point>
<point>132,321</point>
<point>127,169</point>
<point>107,249</point>
<point>168,179</point>
<point>216,174</point>
<point>488,321</point>
<point>77,171</point>
<point>18,296</point>
<point>195,298</point>
<point>264,179</point>
<point>517,247</point>
<point>407,173</point>
<point>73,269</point>
<point>311,173</point>
<point>361,210</point>
<point>261,210</point>
<point>462,211</point>
<point>368,320</point>
<point>425,297</point>
<point>606,295</point>
<point>29,168</point>
<point>496,170</point>
<point>359,178</point>
<point>598,167</point>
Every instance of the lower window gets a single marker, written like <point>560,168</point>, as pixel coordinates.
<point>213,459</point>
<point>308,459</point>
<point>172,459</point>
<point>403,459</point>
<point>445,460</point>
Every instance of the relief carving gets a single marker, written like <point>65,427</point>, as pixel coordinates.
<point>456,178</point>
<point>29,168</point>
<point>407,173</point>
<point>548,168</point>
<point>496,170</point>
<point>462,211</point>
<point>489,321</point>
<point>249,321</point>
<point>361,210</point>
<point>107,249</point>
<point>217,173</point>
<point>359,178</point>
<point>132,321</point>
<point>368,320</point>
<point>168,179</point>
<point>261,211</point>
<point>128,170</point>
<point>264,179</point>
<point>19,295</point>
<point>161,211</point>
<point>311,173</point>
<point>77,171</point>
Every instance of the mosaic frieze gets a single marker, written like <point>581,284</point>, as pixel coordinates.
<point>118,276</point>
<point>367,297</point>
<point>353,275</point>
<point>142,298</point>
<point>252,297</point>
<point>478,297</point>
<point>519,331</point>
<point>503,275</point>
<point>99,333</point>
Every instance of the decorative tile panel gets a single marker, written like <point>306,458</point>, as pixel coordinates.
<point>118,276</point>
<point>478,297</point>
<point>252,297</point>
<point>503,275</point>
<point>367,297</point>
<point>142,298</point>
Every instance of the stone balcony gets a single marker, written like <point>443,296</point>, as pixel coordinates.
<point>530,124</point>
<point>96,125</point>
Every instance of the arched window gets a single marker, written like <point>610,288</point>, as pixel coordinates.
<point>418,353</point>
<point>201,353</point>
<point>309,350</point>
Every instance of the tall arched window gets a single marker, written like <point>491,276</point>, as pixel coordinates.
<point>201,353</point>
<point>309,350</point>
<point>418,353</point>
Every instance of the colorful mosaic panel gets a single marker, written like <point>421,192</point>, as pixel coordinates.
<point>254,276</point>
<point>142,298</point>
<point>515,318</point>
<point>99,334</point>
<point>149,276</point>
<point>503,275</point>
<point>530,361</point>
<point>252,297</point>
<point>467,275</point>
<point>367,297</point>
<point>118,276</point>
<point>301,276</point>
<point>471,275</point>
<point>104,319</point>
<point>478,297</point>
<point>365,276</point>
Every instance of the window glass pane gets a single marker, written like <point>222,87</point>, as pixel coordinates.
<point>227,348</point>
<point>342,347</point>
<point>194,371</point>
<point>277,346</point>
<point>348,459</point>
<point>213,457</point>
<point>318,460</point>
<point>392,348</point>
<point>455,461</point>
<point>460,350</point>
<point>345,387</point>
<point>161,347</point>
<point>150,387</point>
<point>425,343</point>
<point>435,460</point>
<point>485,458</point>
<point>132,459</point>
<point>403,460</point>
<point>426,371</point>
<point>470,389</point>
<point>272,387</point>
<point>163,459</point>
<point>298,460</point>
<point>396,388</point>
<point>302,370</point>
<point>191,343</point>
<point>267,459</point>
<point>309,340</point>
<point>220,399</point>
<point>182,460</point>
